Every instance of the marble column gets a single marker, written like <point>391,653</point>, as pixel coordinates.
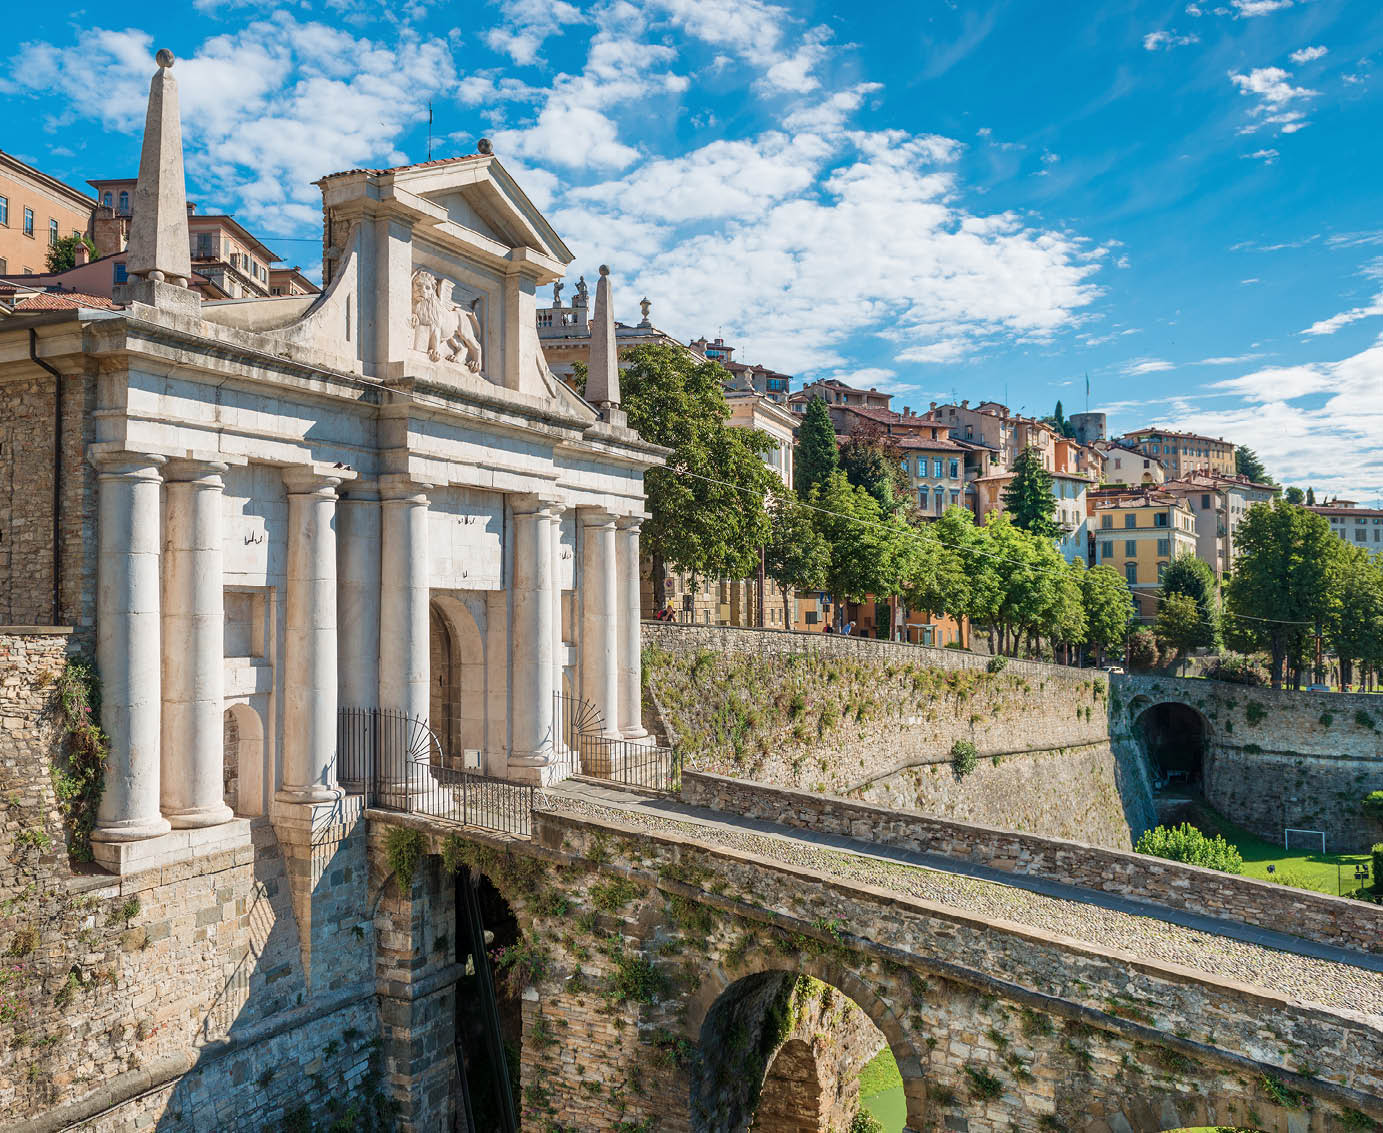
<point>128,643</point>
<point>405,662</point>
<point>600,618</point>
<point>630,633</point>
<point>559,645</point>
<point>357,611</point>
<point>533,634</point>
<point>192,786</point>
<point>309,644</point>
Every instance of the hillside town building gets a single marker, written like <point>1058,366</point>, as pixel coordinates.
<point>1355,525</point>
<point>1138,532</point>
<point>1220,504</point>
<point>36,210</point>
<point>1183,453</point>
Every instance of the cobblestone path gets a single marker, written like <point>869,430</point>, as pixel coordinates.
<point>1331,983</point>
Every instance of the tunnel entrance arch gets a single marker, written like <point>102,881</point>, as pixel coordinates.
<point>781,1050</point>
<point>1176,738</point>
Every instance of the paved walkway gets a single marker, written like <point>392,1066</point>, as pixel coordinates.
<point>1318,973</point>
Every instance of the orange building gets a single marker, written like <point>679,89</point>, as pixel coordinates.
<point>36,210</point>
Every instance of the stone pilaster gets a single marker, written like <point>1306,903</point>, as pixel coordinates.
<point>310,646</point>
<point>128,643</point>
<point>630,640</point>
<point>559,645</point>
<point>533,637</point>
<point>357,612</point>
<point>192,786</point>
<point>404,659</point>
<point>600,618</point>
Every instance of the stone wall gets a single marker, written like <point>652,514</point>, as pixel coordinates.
<point>633,938</point>
<point>189,996</point>
<point>877,720</point>
<point>26,503</point>
<point>1278,758</point>
<point>1314,916</point>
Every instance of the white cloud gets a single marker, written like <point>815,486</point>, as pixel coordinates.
<point>1266,156</point>
<point>1146,366</point>
<point>526,23</point>
<point>1308,54</point>
<point>1166,40</point>
<point>1259,7</point>
<point>1276,96</point>
<point>266,110</point>
<point>758,33</point>
<point>1303,445</point>
<point>1335,322</point>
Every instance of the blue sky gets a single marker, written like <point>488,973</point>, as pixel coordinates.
<point>980,200</point>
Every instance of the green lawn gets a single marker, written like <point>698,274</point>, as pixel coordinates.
<point>1307,870</point>
<point>881,1091</point>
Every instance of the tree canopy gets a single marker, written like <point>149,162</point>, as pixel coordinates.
<point>816,457</point>
<point>796,556</point>
<point>63,254</point>
<point>872,461</point>
<point>1246,463</point>
<point>1028,499</point>
<point>707,512</point>
<point>1108,608</point>
<point>869,551</point>
<point>1285,580</point>
<point>1191,577</point>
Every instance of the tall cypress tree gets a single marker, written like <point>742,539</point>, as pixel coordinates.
<point>1028,499</point>
<point>816,456</point>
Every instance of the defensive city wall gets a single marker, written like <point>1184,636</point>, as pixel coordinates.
<point>1274,758</point>
<point>877,721</point>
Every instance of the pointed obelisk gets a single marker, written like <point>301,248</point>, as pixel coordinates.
<point>602,375</point>
<point>158,257</point>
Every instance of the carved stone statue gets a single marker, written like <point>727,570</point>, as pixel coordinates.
<point>440,327</point>
<point>582,291</point>
<point>557,293</point>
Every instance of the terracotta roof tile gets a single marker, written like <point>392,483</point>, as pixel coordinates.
<point>64,301</point>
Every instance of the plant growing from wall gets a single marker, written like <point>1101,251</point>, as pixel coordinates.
<point>403,847</point>
<point>79,777</point>
<point>964,758</point>
<point>1373,804</point>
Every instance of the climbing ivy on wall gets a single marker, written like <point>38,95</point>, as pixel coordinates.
<point>79,776</point>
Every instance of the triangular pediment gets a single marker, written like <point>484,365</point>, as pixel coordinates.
<point>479,194</point>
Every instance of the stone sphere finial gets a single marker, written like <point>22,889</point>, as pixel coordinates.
<point>484,146</point>
<point>165,58</point>
<point>604,270</point>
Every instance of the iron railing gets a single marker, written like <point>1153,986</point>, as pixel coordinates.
<point>633,763</point>
<point>400,764</point>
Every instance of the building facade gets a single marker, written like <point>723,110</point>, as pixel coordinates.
<point>1183,453</point>
<point>1130,467</point>
<point>36,210</point>
<point>1355,525</point>
<point>1220,504</point>
<point>1138,534</point>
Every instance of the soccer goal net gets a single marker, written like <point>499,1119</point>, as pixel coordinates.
<point>1293,838</point>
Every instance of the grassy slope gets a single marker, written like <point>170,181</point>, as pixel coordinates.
<point>881,1091</point>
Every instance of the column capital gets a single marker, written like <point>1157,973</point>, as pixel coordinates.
<point>196,470</point>
<point>632,523</point>
<point>398,487</point>
<point>534,503</point>
<point>113,462</point>
<point>304,480</point>
<point>597,517</point>
<point>360,492</point>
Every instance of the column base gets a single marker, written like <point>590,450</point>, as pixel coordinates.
<point>636,735</point>
<point>171,847</point>
<point>199,817</point>
<point>136,830</point>
<point>308,795</point>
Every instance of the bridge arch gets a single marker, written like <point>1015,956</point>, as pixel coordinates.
<point>763,1041</point>
<point>1175,736</point>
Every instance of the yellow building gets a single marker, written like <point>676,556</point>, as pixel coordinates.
<point>36,211</point>
<point>1181,454</point>
<point>1138,534</point>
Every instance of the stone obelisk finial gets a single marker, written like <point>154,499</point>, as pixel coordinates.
<point>602,378</point>
<point>158,248</point>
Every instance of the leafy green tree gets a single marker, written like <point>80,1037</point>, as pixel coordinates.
<point>1310,497</point>
<point>1060,422</point>
<point>1246,463</point>
<point>868,551</point>
<point>816,457</point>
<point>1142,650</point>
<point>1028,498</point>
<point>1108,609</point>
<point>63,254</point>
<point>1029,568</point>
<point>707,513</point>
<point>1294,495</point>
<point>1067,623</point>
<point>870,460</point>
<point>1355,631</point>
<point>977,590</point>
<point>1185,843</point>
<point>1188,575</point>
<point>935,579</point>
<point>1178,624</point>
<point>796,557</point>
<point>1286,579</point>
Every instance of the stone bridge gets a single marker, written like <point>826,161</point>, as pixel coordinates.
<point>675,965</point>
<point>1272,759</point>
